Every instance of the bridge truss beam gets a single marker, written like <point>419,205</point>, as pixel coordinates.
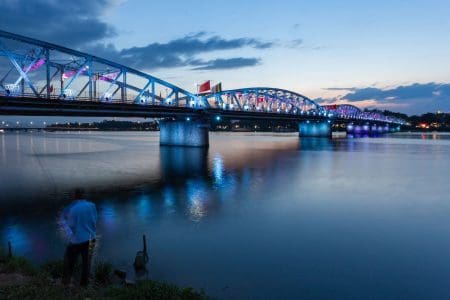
<point>82,76</point>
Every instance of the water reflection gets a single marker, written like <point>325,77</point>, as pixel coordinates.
<point>315,144</point>
<point>183,162</point>
<point>14,232</point>
<point>264,212</point>
<point>108,215</point>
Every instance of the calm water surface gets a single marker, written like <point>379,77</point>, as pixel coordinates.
<point>254,216</point>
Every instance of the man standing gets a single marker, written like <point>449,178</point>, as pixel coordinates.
<point>79,221</point>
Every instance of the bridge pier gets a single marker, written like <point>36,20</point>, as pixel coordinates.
<point>314,128</point>
<point>382,128</point>
<point>188,133</point>
<point>358,129</point>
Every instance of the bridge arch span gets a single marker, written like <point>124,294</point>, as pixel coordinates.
<point>264,99</point>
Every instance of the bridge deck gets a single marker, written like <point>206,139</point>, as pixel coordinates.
<point>54,107</point>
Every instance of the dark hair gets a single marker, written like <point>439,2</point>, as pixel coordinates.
<point>78,193</point>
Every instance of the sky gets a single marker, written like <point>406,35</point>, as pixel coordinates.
<point>375,54</point>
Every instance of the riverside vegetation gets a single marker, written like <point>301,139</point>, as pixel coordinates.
<point>19,279</point>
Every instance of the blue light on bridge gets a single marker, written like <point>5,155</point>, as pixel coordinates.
<point>188,119</point>
<point>218,118</point>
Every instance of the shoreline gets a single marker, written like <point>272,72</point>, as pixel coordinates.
<point>20,279</point>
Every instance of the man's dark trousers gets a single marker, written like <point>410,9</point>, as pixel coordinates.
<point>70,258</point>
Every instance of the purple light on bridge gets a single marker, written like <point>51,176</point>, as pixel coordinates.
<point>36,65</point>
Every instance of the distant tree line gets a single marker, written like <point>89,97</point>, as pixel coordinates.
<point>431,121</point>
<point>107,125</point>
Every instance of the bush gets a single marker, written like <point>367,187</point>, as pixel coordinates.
<point>3,255</point>
<point>41,284</point>
<point>53,268</point>
<point>148,289</point>
<point>103,273</point>
<point>43,288</point>
<point>18,265</point>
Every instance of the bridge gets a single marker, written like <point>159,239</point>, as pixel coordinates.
<point>41,78</point>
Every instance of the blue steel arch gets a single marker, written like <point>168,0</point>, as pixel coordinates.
<point>348,111</point>
<point>44,65</point>
<point>264,99</point>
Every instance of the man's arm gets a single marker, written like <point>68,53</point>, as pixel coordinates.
<point>65,222</point>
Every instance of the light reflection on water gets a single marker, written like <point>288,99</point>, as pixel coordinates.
<point>253,216</point>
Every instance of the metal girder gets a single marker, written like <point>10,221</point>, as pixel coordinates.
<point>76,53</point>
<point>47,72</point>
<point>51,78</point>
<point>6,75</point>
<point>19,69</point>
<point>113,82</point>
<point>250,95</point>
<point>142,90</point>
<point>72,79</point>
<point>27,69</point>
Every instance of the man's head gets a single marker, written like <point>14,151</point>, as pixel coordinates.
<point>79,194</point>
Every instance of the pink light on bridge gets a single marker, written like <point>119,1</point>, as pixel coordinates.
<point>108,77</point>
<point>36,65</point>
<point>69,74</point>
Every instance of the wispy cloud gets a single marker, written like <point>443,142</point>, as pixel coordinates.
<point>413,98</point>
<point>227,63</point>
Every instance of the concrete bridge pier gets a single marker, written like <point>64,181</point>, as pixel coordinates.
<point>184,132</point>
<point>382,128</point>
<point>357,129</point>
<point>374,129</point>
<point>314,128</point>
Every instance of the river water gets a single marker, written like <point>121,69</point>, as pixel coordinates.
<point>254,216</point>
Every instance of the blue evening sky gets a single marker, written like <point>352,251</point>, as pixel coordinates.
<point>385,54</point>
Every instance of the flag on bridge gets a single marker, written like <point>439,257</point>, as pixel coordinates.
<point>217,88</point>
<point>205,87</point>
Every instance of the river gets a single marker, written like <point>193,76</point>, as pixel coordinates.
<point>257,215</point>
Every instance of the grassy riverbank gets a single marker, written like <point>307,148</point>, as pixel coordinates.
<point>19,279</point>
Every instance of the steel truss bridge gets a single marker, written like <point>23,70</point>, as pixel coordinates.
<point>40,78</point>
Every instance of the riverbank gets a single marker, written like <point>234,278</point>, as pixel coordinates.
<point>19,279</point>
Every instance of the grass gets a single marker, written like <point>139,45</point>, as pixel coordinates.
<point>44,284</point>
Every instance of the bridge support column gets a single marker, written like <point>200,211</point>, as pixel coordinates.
<point>314,129</point>
<point>358,129</point>
<point>382,128</point>
<point>189,133</point>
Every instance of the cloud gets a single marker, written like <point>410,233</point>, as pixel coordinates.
<point>183,52</point>
<point>72,23</point>
<point>295,43</point>
<point>79,25</point>
<point>415,98</point>
<point>230,63</point>
<point>435,91</point>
